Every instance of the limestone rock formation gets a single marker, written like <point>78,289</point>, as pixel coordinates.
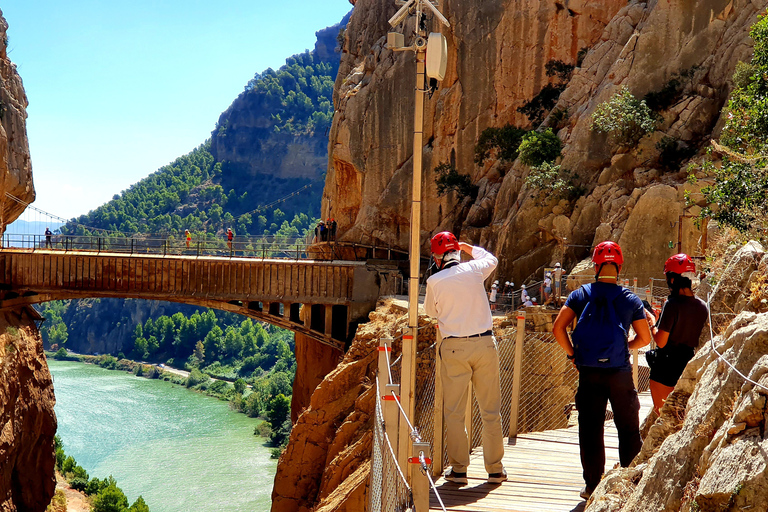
<point>15,164</point>
<point>27,420</point>
<point>497,57</point>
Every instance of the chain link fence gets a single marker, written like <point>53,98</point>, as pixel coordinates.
<point>389,490</point>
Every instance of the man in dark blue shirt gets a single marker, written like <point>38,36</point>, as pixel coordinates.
<point>600,351</point>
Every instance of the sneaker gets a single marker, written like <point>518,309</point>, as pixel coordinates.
<point>497,478</point>
<point>586,492</point>
<point>456,477</point>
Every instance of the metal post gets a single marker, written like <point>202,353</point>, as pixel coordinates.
<point>410,343</point>
<point>131,245</point>
<point>420,483</point>
<point>437,443</point>
<point>514,412</point>
<point>635,352</point>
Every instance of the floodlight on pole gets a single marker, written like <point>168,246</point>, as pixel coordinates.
<point>421,48</point>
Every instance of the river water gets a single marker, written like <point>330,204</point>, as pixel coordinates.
<point>178,449</point>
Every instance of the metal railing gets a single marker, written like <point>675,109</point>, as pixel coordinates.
<point>241,247</point>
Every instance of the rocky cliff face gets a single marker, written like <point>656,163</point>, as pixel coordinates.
<point>27,420</point>
<point>497,57</point>
<point>15,164</point>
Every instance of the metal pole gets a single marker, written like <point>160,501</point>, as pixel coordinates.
<point>514,413</point>
<point>410,343</point>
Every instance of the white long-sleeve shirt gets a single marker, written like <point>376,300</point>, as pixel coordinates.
<point>456,296</point>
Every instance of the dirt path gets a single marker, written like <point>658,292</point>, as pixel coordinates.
<point>76,501</point>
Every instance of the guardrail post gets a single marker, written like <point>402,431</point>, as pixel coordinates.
<point>635,352</point>
<point>131,246</point>
<point>389,408</point>
<point>419,482</point>
<point>514,412</point>
<point>437,443</point>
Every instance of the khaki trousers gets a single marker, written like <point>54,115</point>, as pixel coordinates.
<point>475,359</point>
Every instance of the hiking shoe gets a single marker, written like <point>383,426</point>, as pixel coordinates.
<point>497,478</point>
<point>586,492</point>
<point>457,478</point>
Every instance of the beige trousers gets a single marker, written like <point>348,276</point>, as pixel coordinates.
<point>475,359</point>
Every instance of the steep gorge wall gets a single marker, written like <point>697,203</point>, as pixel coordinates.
<point>27,420</point>
<point>497,55</point>
<point>15,164</point>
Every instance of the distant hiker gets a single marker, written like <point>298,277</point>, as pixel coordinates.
<point>682,320</point>
<point>456,298</point>
<point>524,297</point>
<point>188,236</point>
<point>599,348</point>
<point>557,277</point>
<point>230,238</point>
<point>48,235</point>
<point>547,288</point>
<point>333,227</point>
<point>321,232</point>
<point>492,295</point>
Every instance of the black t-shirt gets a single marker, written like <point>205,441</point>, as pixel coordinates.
<point>683,317</point>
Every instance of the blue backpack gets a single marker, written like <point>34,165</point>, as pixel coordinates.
<point>599,339</point>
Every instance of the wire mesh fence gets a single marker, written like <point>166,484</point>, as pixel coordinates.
<point>389,490</point>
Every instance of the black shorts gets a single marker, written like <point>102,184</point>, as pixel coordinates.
<point>669,363</point>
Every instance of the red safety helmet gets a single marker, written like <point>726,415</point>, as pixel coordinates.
<point>608,252</point>
<point>680,264</point>
<point>444,242</point>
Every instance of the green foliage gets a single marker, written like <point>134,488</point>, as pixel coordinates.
<point>196,377</point>
<point>552,182</point>
<point>449,179</point>
<point>139,506</point>
<point>240,386</point>
<point>672,153</point>
<point>671,92</point>
<point>298,95</point>
<point>78,483</point>
<point>501,143</point>
<point>537,108</point>
<point>61,354</point>
<point>279,418</point>
<point>624,118</point>
<point>738,194</point>
<point>537,148</point>
<point>742,75</point>
<point>110,499</point>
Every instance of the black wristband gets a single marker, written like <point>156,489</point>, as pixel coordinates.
<point>571,357</point>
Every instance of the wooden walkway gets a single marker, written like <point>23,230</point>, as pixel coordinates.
<point>544,474</point>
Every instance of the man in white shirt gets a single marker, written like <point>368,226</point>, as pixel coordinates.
<point>456,298</point>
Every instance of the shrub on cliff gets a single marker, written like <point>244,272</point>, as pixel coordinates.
<point>552,182</point>
<point>499,142</point>
<point>538,148</point>
<point>624,118</point>
<point>450,179</point>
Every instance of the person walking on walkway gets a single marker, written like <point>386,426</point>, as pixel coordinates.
<point>557,277</point>
<point>493,295</point>
<point>456,298</point>
<point>48,235</point>
<point>188,236</point>
<point>680,325</point>
<point>230,238</point>
<point>599,347</point>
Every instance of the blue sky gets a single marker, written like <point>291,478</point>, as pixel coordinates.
<point>118,89</point>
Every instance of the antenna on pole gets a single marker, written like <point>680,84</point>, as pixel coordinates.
<point>431,59</point>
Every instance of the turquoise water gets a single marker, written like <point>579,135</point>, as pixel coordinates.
<point>180,450</point>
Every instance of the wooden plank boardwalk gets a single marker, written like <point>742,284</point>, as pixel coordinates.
<point>544,474</point>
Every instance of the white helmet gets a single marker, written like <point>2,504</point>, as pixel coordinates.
<point>506,283</point>
<point>496,282</point>
<point>557,264</point>
<point>522,286</point>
